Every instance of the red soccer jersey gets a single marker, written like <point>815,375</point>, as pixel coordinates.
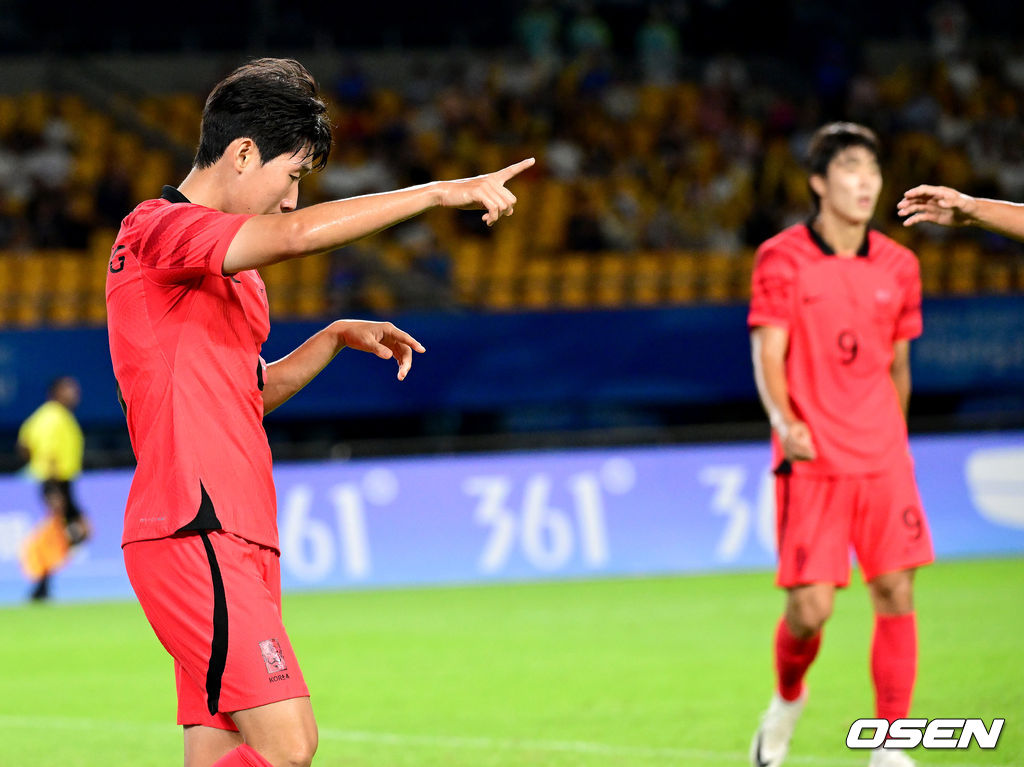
<point>185,342</point>
<point>843,316</point>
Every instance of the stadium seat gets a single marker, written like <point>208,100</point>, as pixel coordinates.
<point>716,277</point>
<point>8,288</point>
<point>499,293</point>
<point>33,297</point>
<point>378,296</point>
<point>932,266</point>
<point>552,216</point>
<point>68,287</point>
<point>997,276</point>
<point>648,279</point>
<point>280,287</point>
<point>744,269</point>
<point>610,280</point>
<point>312,281</point>
<point>682,278</point>
<point>574,277</point>
<point>467,270</point>
<point>537,279</point>
<point>963,268</point>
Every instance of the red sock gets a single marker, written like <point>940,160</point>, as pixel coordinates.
<point>793,657</point>
<point>243,756</point>
<point>894,664</point>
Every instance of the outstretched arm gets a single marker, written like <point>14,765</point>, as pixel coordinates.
<point>769,345</point>
<point>948,207</point>
<point>267,239</point>
<point>289,374</point>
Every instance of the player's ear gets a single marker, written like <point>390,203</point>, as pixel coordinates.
<point>817,182</point>
<point>243,153</point>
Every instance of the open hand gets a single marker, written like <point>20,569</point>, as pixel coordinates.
<point>487,192</point>
<point>937,204</point>
<point>382,339</point>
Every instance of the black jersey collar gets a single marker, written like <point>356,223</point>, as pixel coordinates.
<point>824,247</point>
<point>171,194</point>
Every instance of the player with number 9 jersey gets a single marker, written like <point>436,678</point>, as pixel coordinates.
<point>834,306</point>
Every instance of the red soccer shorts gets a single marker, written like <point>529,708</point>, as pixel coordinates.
<point>214,601</point>
<point>818,519</point>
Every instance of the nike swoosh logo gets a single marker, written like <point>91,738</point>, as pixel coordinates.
<point>757,753</point>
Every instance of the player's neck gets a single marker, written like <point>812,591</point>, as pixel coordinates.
<point>203,186</point>
<point>843,236</point>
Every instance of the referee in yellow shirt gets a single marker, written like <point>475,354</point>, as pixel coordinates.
<point>52,442</point>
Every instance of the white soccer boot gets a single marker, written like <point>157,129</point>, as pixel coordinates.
<point>885,757</point>
<point>771,741</point>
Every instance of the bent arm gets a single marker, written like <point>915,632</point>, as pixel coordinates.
<point>288,375</point>
<point>900,372</point>
<point>768,346</point>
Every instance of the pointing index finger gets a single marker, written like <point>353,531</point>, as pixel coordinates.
<point>512,171</point>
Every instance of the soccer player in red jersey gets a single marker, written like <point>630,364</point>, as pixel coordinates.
<point>833,309</point>
<point>187,317</point>
<point>948,207</point>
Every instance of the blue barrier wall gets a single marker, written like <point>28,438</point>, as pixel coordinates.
<point>580,513</point>
<point>496,361</point>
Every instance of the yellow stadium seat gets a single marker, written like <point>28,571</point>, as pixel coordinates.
<point>67,286</point>
<point>648,279</point>
<point>537,280</point>
<point>8,287</point>
<point>742,277</point>
<point>997,276</point>
<point>963,268</point>
<point>378,296</point>
<point>552,215</point>
<point>682,278</point>
<point>95,309</point>
<point>610,280</point>
<point>280,286</point>
<point>932,266</point>
<point>467,270</point>
<point>717,270</point>
<point>574,281</point>
<point>499,293</point>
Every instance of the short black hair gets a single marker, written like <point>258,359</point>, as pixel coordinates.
<point>829,140</point>
<point>274,102</point>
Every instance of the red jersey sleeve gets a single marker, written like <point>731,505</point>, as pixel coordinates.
<point>187,242</point>
<point>772,287</point>
<point>909,323</point>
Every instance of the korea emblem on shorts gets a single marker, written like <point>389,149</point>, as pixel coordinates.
<point>272,656</point>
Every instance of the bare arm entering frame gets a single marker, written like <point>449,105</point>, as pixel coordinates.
<point>291,373</point>
<point>768,346</point>
<point>948,207</point>
<point>268,239</point>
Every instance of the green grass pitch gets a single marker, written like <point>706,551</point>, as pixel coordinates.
<point>641,672</point>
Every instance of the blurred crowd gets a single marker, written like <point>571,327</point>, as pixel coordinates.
<point>48,200</point>
<point>659,150</point>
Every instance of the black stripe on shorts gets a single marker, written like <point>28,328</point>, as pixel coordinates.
<point>219,645</point>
